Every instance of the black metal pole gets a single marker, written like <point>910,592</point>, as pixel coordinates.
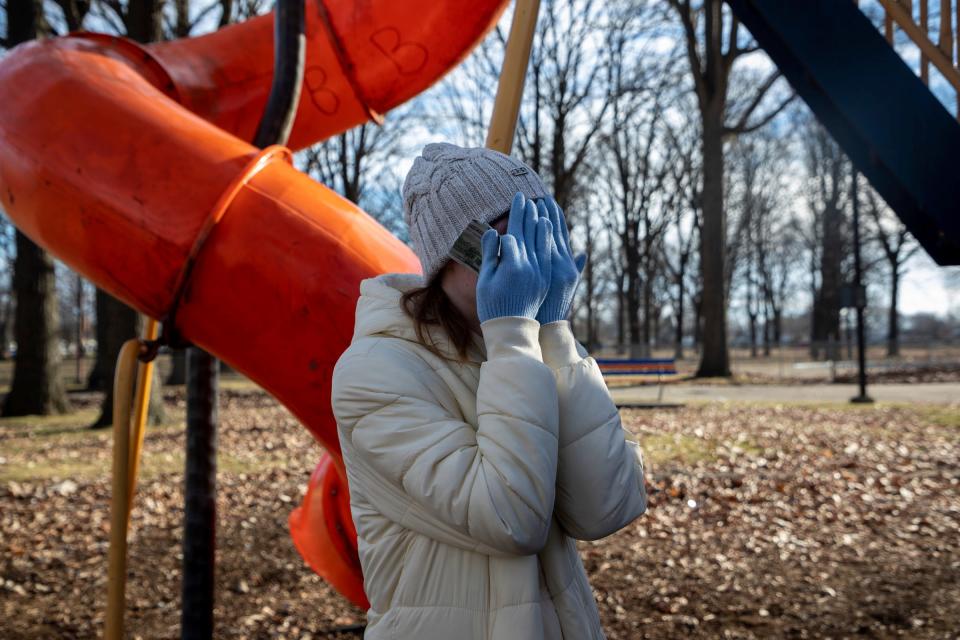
<point>200,513</point>
<point>200,516</point>
<point>859,295</point>
<point>289,52</point>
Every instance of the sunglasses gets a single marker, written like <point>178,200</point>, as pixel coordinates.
<point>467,250</point>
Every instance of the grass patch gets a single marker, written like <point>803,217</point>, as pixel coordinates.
<point>667,447</point>
<point>153,465</point>
<point>40,425</point>
<point>25,431</point>
<point>238,383</point>
<point>64,469</point>
<point>943,416</point>
<point>688,450</point>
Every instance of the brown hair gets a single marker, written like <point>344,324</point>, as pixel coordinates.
<point>430,306</point>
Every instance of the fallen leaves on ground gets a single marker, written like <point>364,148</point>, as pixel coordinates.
<point>764,521</point>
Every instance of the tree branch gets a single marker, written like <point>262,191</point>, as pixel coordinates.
<point>755,102</point>
<point>743,127</point>
<point>696,66</point>
<point>202,15</point>
<point>731,53</point>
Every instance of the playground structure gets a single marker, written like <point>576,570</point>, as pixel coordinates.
<point>147,187</point>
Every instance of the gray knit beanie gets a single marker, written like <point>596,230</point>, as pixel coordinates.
<point>448,186</point>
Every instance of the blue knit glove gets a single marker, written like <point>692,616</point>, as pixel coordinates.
<point>566,271</point>
<point>516,282</point>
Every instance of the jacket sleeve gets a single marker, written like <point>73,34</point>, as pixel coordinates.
<point>491,486</point>
<point>600,484</point>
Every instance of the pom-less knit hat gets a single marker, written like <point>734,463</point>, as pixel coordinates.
<point>448,186</point>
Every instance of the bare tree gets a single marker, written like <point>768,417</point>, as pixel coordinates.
<point>678,248</point>
<point>779,251</point>
<point>829,175</point>
<point>711,65</point>
<point>558,125</point>
<point>636,183</point>
<point>898,247</point>
<point>762,223</point>
<point>564,100</point>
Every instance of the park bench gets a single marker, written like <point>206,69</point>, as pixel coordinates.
<point>640,367</point>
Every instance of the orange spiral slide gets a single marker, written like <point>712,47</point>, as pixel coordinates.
<point>126,160</point>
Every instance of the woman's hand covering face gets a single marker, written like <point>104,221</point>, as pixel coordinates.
<point>515,275</point>
<point>566,270</point>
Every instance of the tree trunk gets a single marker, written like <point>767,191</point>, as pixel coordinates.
<point>697,320</point>
<point>826,315</point>
<point>144,20</point>
<point>178,370</point>
<point>182,27</point>
<point>37,387</point>
<point>814,293</point>
<point>893,322</point>
<point>633,321</point>
<point>648,320</point>
<point>633,301</point>
<point>678,340</point>
<point>777,326</point>
<point>767,327</point>
<point>591,290</point>
<point>621,311</point>
<point>656,330</point>
<point>102,369</point>
<point>5,327</point>
<point>715,358</point>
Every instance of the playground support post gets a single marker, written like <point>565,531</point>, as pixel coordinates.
<point>120,497</point>
<point>289,53</point>
<point>129,426</point>
<point>506,106</point>
<point>200,514</point>
<point>200,509</point>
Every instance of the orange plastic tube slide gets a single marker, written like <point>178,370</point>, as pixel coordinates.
<point>124,161</point>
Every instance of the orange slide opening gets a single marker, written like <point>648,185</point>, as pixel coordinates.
<point>114,157</point>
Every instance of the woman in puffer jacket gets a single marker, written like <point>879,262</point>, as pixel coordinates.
<point>479,439</point>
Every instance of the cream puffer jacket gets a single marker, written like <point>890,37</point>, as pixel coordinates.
<point>470,481</point>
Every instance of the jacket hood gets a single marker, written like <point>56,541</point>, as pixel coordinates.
<point>379,314</point>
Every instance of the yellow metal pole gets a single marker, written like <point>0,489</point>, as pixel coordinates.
<point>126,463</point>
<point>141,404</point>
<point>506,106</point>
<point>119,513</point>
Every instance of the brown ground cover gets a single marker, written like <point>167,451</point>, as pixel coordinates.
<point>773,521</point>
